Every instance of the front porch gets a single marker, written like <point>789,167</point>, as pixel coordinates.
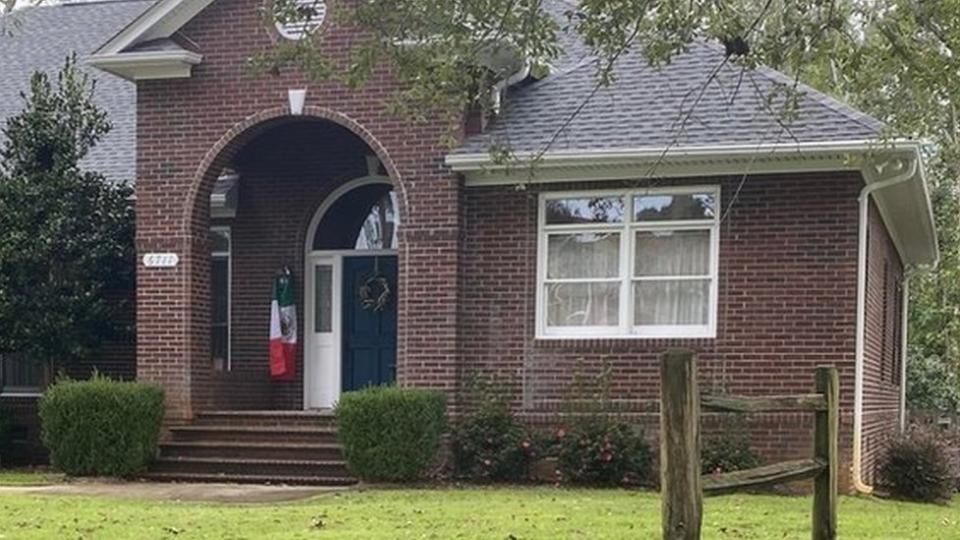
<point>309,196</point>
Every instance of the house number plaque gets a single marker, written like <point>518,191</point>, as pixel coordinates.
<point>161,260</point>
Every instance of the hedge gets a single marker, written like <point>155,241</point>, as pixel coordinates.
<point>390,433</point>
<point>101,427</point>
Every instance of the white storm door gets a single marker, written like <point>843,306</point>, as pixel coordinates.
<point>321,376</point>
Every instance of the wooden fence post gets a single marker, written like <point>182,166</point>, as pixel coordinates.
<point>680,489</point>
<point>826,425</point>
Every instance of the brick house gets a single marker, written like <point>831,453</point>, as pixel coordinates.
<point>650,221</point>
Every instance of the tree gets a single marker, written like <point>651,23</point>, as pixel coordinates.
<point>66,235</point>
<point>897,63</point>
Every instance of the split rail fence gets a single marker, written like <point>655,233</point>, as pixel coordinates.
<point>683,486</point>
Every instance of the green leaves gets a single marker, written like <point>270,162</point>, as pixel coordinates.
<point>66,234</point>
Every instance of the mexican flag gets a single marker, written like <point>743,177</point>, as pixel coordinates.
<point>283,328</point>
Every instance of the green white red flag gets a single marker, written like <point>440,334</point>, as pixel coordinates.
<point>283,328</point>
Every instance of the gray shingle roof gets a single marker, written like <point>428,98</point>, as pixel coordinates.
<point>40,38</point>
<point>655,108</point>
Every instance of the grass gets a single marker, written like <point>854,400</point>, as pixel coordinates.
<point>495,513</point>
<point>28,477</point>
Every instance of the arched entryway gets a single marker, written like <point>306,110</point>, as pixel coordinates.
<point>350,291</point>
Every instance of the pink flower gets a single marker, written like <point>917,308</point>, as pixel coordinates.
<point>561,433</point>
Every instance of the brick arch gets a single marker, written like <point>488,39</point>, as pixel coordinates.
<point>230,143</point>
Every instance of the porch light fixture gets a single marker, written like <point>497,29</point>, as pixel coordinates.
<point>297,99</point>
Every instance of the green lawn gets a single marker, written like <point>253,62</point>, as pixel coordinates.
<point>28,478</point>
<point>507,513</point>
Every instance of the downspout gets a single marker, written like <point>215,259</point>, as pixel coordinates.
<point>864,201</point>
<point>904,310</point>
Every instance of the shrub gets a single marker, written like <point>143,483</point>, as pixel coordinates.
<point>917,467</point>
<point>489,444</point>
<point>604,451</point>
<point>100,426</point>
<point>728,449</point>
<point>390,433</point>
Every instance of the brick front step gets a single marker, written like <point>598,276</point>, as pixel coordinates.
<point>281,468</point>
<point>261,447</point>
<point>266,418</point>
<point>248,450</point>
<point>239,433</point>
<point>251,479</point>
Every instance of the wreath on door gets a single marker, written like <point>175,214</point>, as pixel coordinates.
<point>374,293</point>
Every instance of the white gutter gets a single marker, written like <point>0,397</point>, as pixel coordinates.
<point>864,201</point>
<point>904,310</point>
<point>484,160</point>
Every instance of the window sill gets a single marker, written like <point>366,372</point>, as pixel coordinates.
<point>21,394</point>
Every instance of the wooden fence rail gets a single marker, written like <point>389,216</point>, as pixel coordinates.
<point>682,486</point>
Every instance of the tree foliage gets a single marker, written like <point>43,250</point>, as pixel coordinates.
<point>66,234</point>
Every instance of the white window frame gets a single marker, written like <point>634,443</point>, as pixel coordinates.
<point>228,255</point>
<point>626,229</point>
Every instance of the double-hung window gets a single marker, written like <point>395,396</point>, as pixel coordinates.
<point>220,277</point>
<point>631,263</point>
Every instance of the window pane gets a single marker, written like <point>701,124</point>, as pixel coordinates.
<point>672,253</point>
<point>219,290</point>
<point>18,373</point>
<point>583,255</point>
<point>674,207</point>
<point>219,345</point>
<point>671,302</point>
<point>379,229</point>
<point>583,304</point>
<point>219,241</point>
<point>584,210</point>
<point>323,304</point>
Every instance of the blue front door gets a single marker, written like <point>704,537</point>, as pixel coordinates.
<point>369,321</point>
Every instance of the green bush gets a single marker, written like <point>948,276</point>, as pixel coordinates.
<point>604,451</point>
<point>728,449</point>
<point>101,427</point>
<point>917,467</point>
<point>390,433</point>
<point>489,444</point>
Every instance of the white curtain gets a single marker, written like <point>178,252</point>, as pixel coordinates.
<point>666,254</point>
<point>583,256</point>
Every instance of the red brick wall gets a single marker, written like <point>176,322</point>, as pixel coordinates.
<point>881,373</point>
<point>787,299</point>
<point>188,129</point>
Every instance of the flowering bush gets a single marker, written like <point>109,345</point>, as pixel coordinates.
<point>489,444</point>
<point>604,451</point>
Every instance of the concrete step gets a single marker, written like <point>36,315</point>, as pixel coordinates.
<point>251,479</point>
<point>252,450</point>
<point>262,467</point>
<point>283,434</point>
<point>323,418</point>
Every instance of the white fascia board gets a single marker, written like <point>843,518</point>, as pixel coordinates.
<point>147,65</point>
<point>556,158</point>
<point>160,20</point>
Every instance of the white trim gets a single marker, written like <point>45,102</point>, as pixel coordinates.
<point>147,65</point>
<point>24,394</point>
<point>604,156</point>
<point>228,255</point>
<point>626,230</point>
<point>330,368</point>
<point>160,20</point>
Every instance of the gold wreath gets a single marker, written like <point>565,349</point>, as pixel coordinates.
<point>371,300</point>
